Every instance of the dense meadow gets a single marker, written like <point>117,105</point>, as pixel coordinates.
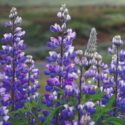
<point>64,66</point>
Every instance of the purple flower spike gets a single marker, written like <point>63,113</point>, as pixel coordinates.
<point>60,68</point>
<point>19,81</point>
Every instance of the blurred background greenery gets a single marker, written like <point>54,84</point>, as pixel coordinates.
<point>108,16</point>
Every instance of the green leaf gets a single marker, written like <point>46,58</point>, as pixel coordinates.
<point>111,101</point>
<point>97,96</point>
<point>114,121</point>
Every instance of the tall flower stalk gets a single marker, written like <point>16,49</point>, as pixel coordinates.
<point>116,44</point>
<point>32,79</point>
<point>32,86</point>
<point>60,68</point>
<point>78,60</point>
<point>13,62</point>
<point>84,62</point>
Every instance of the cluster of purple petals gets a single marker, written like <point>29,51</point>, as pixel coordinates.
<point>60,67</point>
<point>86,86</point>
<point>117,71</point>
<point>13,63</point>
<point>17,87</point>
<point>32,79</point>
<point>4,116</point>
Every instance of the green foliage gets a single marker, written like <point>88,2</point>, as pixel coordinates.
<point>102,117</point>
<point>96,97</point>
<point>113,121</point>
<point>18,117</point>
<point>54,111</point>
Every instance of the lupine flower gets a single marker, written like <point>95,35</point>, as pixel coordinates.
<point>4,116</point>
<point>86,120</point>
<point>15,87</point>
<point>32,79</point>
<point>13,67</point>
<point>61,69</point>
<point>11,89</point>
<point>117,41</point>
<point>90,69</point>
<point>116,79</point>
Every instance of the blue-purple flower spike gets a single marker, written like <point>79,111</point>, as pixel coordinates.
<point>13,63</point>
<point>116,70</point>
<point>60,67</point>
<point>32,79</point>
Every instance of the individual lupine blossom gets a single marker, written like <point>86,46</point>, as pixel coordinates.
<point>60,68</point>
<point>67,113</point>
<point>13,63</point>
<point>117,71</point>
<point>4,116</point>
<point>32,79</point>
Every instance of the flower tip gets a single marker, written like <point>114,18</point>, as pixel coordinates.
<point>13,12</point>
